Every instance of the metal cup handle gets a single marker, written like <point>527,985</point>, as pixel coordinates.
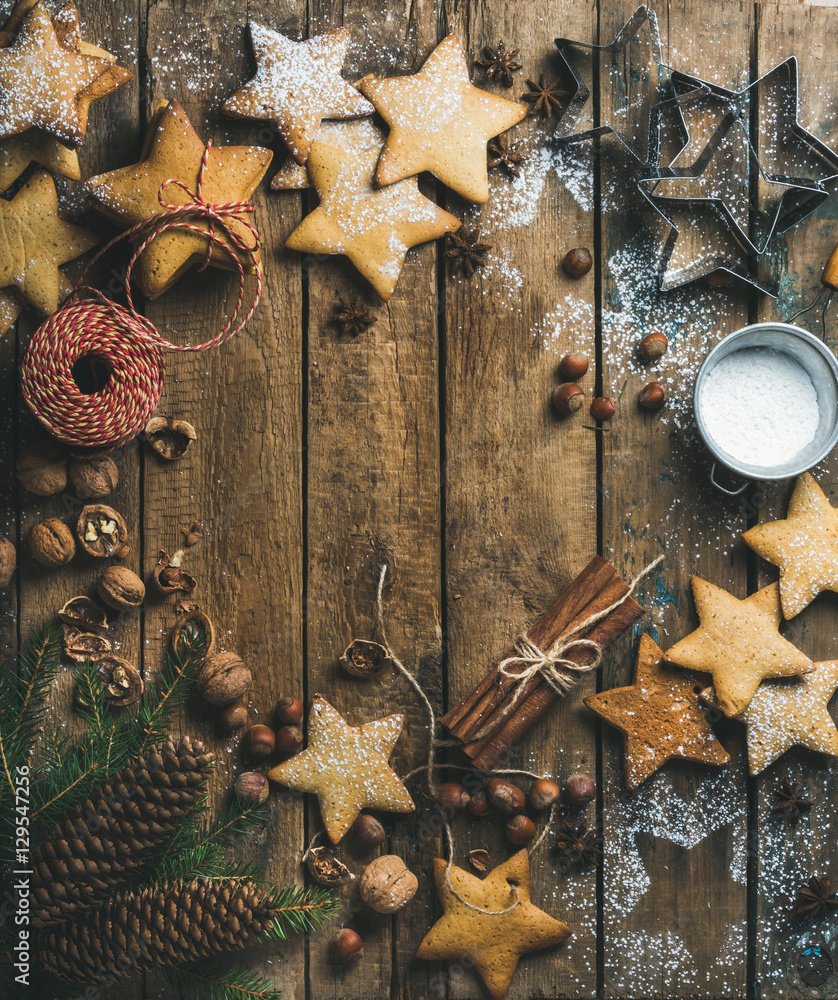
<point>730,493</point>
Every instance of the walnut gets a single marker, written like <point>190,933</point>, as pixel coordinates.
<point>479,859</point>
<point>224,678</point>
<point>327,868</point>
<point>189,631</point>
<point>365,659</point>
<point>169,577</point>
<point>94,478</point>
<point>121,589</point>
<point>42,470</point>
<point>387,884</point>
<point>81,646</point>
<point>123,682</point>
<point>169,437</point>
<point>51,543</point>
<point>83,614</point>
<point>102,532</point>
<point>8,561</point>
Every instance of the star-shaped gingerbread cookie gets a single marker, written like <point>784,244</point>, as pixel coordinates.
<point>374,228</point>
<point>174,150</point>
<point>493,942</point>
<point>659,715</point>
<point>346,767</point>
<point>297,85</point>
<point>788,713</point>
<point>804,546</point>
<point>440,122</point>
<point>353,136</point>
<point>738,642</point>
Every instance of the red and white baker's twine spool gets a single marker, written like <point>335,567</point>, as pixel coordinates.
<point>89,324</point>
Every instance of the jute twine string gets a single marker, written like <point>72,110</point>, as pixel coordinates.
<point>89,324</point>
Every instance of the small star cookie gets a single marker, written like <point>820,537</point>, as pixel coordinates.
<point>788,713</point>
<point>659,715</point>
<point>173,150</point>
<point>804,546</point>
<point>297,84</point>
<point>494,943</point>
<point>346,767</point>
<point>738,642</point>
<point>440,122</point>
<point>374,228</point>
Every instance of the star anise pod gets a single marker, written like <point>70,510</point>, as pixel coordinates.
<point>352,318</point>
<point>790,801</point>
<point>577,846</point>
<point>499,64</point>
<point>545,97</point>
<point>505,154</point>
<point>467,252</point>
<point>816,897</point>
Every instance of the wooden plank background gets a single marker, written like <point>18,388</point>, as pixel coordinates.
<point>428,443</point>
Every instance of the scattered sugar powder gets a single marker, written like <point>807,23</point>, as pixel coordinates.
<point>759,406</point>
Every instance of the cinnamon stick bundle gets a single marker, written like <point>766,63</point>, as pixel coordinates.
<point>597,587</point>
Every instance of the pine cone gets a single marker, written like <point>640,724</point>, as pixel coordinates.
<point>91,850</point>
<point>167,925</point>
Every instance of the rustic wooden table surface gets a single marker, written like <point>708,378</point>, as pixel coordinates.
<point>429,442</point>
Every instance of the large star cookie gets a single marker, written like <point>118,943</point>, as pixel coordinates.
<point>788,713</point>
<point>346,767</point>
<point>659,715</point>
<point>440,122</point>
<point>297,85</point>
<point>173,150</point>
<point>804,546</point>
<point>373,228</point>
<point>354,136</point>
<point>738,642</point>
<point>494,943</point>
<point>41,81</point>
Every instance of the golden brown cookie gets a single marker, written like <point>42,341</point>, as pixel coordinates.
<point>346,767</point>
<point>18,151</point>
<point>375,229</point>
<point>804,546</point>
<point>494,943</point>
<point>11,306</point>
<point>173,150</point>
<point>440,122</point>
<point>297,84</point>
<point>659,715</point>
<point>352,136</point>
<point>738,642</point>
<point>788,713</point>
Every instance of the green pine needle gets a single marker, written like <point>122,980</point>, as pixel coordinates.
<point>92,702</point>
<point>165,695</point>
<point>298,909</point>
<point>214,981</point>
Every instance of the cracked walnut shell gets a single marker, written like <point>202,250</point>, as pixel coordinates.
<point>326,867</point>
<point>170,438</point>
<point>51,543</point>
<point>83,614</point>
<point>189,631</point>
<point>102,532</point>
<point>169,577</point>
<point>81,646</point>
<point>365,659</point>
<point>123,682</point>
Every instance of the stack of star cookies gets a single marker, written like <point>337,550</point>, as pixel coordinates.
<point>370,208</point>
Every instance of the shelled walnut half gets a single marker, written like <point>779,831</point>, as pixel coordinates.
<point>102,532</point>
<point>122,680</point>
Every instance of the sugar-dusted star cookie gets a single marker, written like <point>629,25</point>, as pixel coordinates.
<point>18,151</point>
<point>41,80</point>
<point>440,122</point>
<point>297,85</point>
<point>494,943</point>
<point>346,767</point>
<point>373,228</point>
<point>738,642</point>
<point>353,136</point>
<point>173,150</point>
<point>659,715</point>
<point>804,546</point>
<point>788,713</point>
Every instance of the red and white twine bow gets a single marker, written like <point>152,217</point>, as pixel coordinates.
<point>88,324</point>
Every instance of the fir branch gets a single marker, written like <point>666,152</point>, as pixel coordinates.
<point>214,981</point>
<point>239,817</point>
<point>91,698</point>
<point>298,909</point>
<point>162,698</point>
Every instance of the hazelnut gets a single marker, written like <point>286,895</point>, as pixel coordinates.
<point>169,577</point>
<point>259,741</point>
<point>234,717</point>
<point>573,366</point>
<point>505,795</point>
<point>387,884</point>
<point>653,346</point>
<point>479,804</point>
<point>520,830</point>
<point>602,408</point>
<point>122,681</point>
<point>652,396</point>
<point>8,561</point>
<point>368,832</point>
<point>81,646</point>
<point>289,711</point>
<point>93,478</point>
<point>193,632</point>
<point>193,534</point>
<point>289,740</point>
<point>452,795</point>
<point>51,543</point>
<point>102,532</point>
<point>579,790</point>
<point>578,262</point>
<point>568,398</point>
<point>170,438</point>
<point>543,793</point>
<point>365,659</point>
<point>42,470</point>
<point>250,786</point>
<point>84,614</point>
<point>224,679</point>
<point>121,589</point>
<point>347,945</point>
<point>327,868</point>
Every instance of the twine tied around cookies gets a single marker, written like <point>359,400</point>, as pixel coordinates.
<point>88,324</point>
